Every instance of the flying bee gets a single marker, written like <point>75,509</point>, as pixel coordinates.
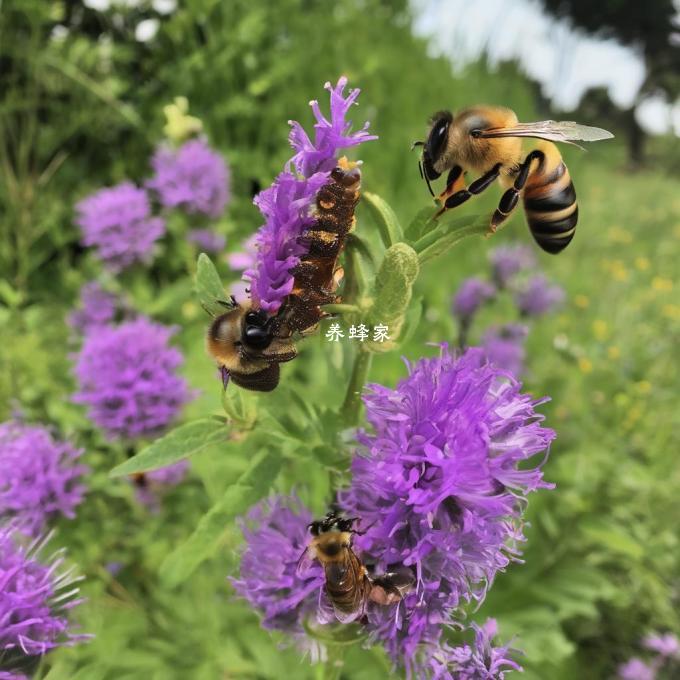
<point>248,343</point>
<point>487,140</point>
<point>349,587</point>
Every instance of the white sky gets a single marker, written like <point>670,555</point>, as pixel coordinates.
<point>566,63</point>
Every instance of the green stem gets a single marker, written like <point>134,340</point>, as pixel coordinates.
<point>351,407</point>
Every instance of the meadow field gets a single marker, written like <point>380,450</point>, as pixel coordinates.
<point>82,110</point>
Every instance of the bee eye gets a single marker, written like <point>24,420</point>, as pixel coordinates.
<point>256,337</point>
<point>436,140</point>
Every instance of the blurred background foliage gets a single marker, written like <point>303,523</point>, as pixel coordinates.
<point>82,107</point>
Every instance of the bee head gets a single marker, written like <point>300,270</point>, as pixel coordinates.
<point>332,522</point>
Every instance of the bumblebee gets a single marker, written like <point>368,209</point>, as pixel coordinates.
<point>349,587</point>
<point>248,343</point>
<point>487,140</point>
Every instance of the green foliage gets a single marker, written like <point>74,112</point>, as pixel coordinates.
<point>85,110</point>
<point>178,444</point>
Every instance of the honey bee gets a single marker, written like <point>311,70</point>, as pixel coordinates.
<point>349,587</point>
<point>248,343</point>
<point>487,140</point>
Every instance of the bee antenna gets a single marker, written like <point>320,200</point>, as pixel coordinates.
<point>429,186</point>
<point>415,144</point>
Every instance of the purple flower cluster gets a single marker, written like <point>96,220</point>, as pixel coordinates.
<point>117,222</point>
<point>39,476</point>
<point>479,661</point>
<point>97,308</point>
<point>538,297</point>
<point>287,204</point>
<point>34,598</point>
<point>504,347</point>
<point>508,261</point>
<point>285,598</point>
<point>439,484</point>
<point>666,659</point>
<point>471,295</point>
<point>127,377</point>
<point>193,177</point>
<point>207,240</point>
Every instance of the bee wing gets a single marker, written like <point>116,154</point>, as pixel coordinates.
<point>305,563</point>
<point>392,586</point>
<point>567,131</point>
<point>325,612</point>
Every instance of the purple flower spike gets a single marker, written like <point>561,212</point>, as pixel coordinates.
<point>194,177</point>
<point>34,598</point>
<point>666,645</point>
<point>39,477</point>
<point>538,297</point>
<point>128,379</point>
<point>97,308</point>
<point>285,599</point>
<point>471,295</point>
<point>479,661</point>
<point>504,347</point>
<point>330,135</point>
<point>439,485</point>
<point>636,669</point>
<point>207,240</point>
<point>118,223</point>
<point>287,204</point>
<point>508,261</point>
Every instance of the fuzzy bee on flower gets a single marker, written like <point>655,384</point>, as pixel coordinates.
<point>488,140</point>
<point>309,210</point>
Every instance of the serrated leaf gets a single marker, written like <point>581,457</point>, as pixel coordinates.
<point>613,538</point>
<point>252,485</point>
<point>179,443</point>
<point>208,284</point>
<point>387,222</point>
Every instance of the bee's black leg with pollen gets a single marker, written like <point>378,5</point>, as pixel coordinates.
<point>485,181</point>
<point>511,196</point>
<point>455,176</point>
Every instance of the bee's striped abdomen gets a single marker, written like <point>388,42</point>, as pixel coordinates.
<point>551,209</point>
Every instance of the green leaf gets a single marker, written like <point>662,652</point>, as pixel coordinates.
<point>392,292</point>
<point>448,233</point>
<point>607,535</point>
<point>388,224</point>
<point>422,223</point>
<point>181,442</point>
<point>209,286</point>
<point>252,485</point>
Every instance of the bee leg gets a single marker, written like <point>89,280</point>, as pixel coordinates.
<point>483,182</point>
<point>455,181</point>
<point>511,196</point>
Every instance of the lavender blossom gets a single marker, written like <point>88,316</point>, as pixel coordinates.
<point>504,347</point>
<point>666,645</point>
<point>152,485</point>
<point>287,204</point>
<point>34,598</point>
<point>279,526</point>
<point>479,661</point>
<point>471,295</point>
<point>439,485</point>
<point>538,297</point>
<point>97,308</point>
<point>117,222</point>
<point>636,669</point>
<point>39,477</point>
<point>508,261</point>
<point>128,379</point>
<point>207,240</point>
<point>194,178</point>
